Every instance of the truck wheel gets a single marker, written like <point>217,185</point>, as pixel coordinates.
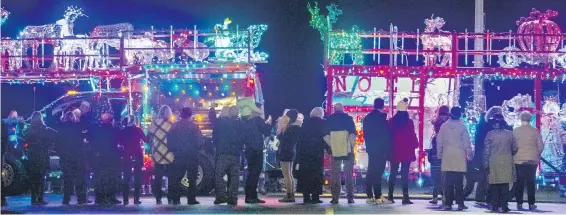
<point>205,175</point>
<point>14,177</point>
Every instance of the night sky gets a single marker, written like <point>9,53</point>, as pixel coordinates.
<point>293,77</point>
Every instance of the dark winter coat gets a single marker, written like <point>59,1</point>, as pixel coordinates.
<point>71,145</point>
<point>404,143</point>
<point>310,156</point>
<point>227,136</point>
<point>340,122</point>
<point>130,138</point>
<point>437,123</point>
<point>255,129</point>
<point>288,141</point>
<point>39,139</point>
<point>377,134</point>
<point>184,140</point>
<point>104,143</point>
<point>482,129</point>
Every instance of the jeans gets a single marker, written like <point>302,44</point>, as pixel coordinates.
<point>376,166</point>
<point>287,169</point>
<point>499,195</point>
<point>178,170</point>
<point>404,178</point>
<point>454,187</point>
<point>526,175</point>
<point>227,164</point>
<point>159,171</point>
<point>348,178</point>
<point>255,164</point>
<point>74,176</point>
<point>436,175</point>
<point>136,164</point>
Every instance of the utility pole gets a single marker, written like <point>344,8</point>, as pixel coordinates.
<point>479,93</point>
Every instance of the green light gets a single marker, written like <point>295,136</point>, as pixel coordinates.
<point>348,42</point>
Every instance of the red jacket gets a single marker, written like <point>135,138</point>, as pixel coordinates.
<point>404,143</point>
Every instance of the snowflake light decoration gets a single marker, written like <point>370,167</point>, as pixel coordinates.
<point>3,15</point>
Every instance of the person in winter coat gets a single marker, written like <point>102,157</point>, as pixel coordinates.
<point>39,138</point>
<point>442,116</point>
<point>454,149</point>
<point>132,138</point>
<point>254,130</point>
<point>72,152</point>
<point>500,146</point>
<point>405,143</point>
<point>228,139</point>
<point>310,157</point>
<point>162,157</point>
<point>530,146</point>
<point>482,190</point>
<point>289,131</point>
<point>103,138</point>
<point>183,141</point>
<point>377,136</point>
<point>341,138</point>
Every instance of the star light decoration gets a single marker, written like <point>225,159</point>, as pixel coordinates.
<point>339,43</point>
<point>3,15</point>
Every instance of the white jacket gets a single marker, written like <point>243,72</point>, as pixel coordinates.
<point>453,145</point>
<point>529,142</point>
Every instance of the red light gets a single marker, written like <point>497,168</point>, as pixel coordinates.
<point>381,71</point>
<point>25,145</point>
<point>251,81</point>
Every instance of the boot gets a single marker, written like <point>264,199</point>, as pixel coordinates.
<point>289,198</point>
<point>406,200</point>
<point>390,196</point>
<point>306,198</point>
<point>315,199</point>
<point>137,201</point>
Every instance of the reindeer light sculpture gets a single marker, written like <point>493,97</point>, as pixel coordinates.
<point>433,42</point>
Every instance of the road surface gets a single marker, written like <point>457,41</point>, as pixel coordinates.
<point>21,204</point>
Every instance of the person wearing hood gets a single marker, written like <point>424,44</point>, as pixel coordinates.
<point>288,133</point>
<point>482,189</point>
<point>39,138</point>
<point>183,141</point>
<point>377,136</point>
<point>530,147</point>
<point>405,143</point>
<point>72,152</point>
<point>103,138</point>
<point>442,116</point>
<point>310,157</point>
<point>228,139</point>
<point>132,138</point>
<point>454,149</point>
<point>341,137</point>
<point>254,130</point>
<point>162,157</point>
<point>500,146</point>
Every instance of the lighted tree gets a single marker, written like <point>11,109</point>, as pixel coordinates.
<point>339,43</point>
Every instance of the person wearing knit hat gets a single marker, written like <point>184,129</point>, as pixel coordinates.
<point>254,129</point>
<point>405,143</point>
<point>454,149</point>
<point>288,137</point>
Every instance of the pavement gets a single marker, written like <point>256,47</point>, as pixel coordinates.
<point>21,204</point>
